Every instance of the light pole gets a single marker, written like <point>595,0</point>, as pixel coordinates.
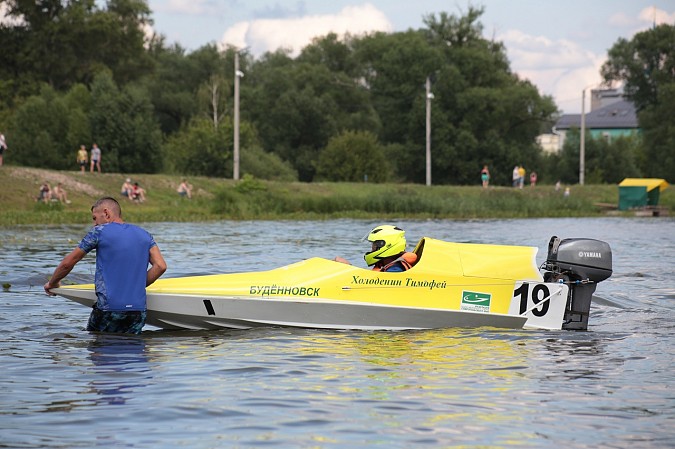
<point>582,146</point>
<point>582,137</point>
<point>237,74</point>
<point>429,97</point>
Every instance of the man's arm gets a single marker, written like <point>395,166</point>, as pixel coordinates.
<point>63,269</point>
<point>158,265</point>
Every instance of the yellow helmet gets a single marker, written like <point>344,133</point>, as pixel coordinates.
<point>387,241</point>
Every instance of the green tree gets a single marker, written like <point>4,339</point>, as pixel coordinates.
<point>200,149</point>
<point>123,124</point>
<point>481,113</point>
<point>172,87</point>
<point>43,128</point>
<point>646,66</point>
<point>66,42</point>
<point>604,162</point>
<point>658,127</point>
<point>298,106</point>
<point>353,156</point>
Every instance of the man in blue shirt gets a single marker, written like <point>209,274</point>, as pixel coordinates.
<point>123,252</point>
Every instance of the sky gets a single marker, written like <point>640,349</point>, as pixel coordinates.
<point>558,45</point>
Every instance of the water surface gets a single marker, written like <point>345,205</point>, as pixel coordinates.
<point>611,386</point>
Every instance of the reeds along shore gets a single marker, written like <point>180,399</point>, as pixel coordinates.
<point>217,199</point>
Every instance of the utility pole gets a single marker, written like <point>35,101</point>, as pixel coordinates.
<point>429,97</point>
<point>237,75</point>
<point>582,146</point>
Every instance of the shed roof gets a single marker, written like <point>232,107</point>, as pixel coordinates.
<point>650,183</point>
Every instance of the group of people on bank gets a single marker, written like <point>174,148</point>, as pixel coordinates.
<point>93,158</point>
<point>518,177</point>
<point>132,191</point>
<point>48,193</point>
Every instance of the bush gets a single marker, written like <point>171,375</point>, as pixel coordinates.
<point>354,157</point>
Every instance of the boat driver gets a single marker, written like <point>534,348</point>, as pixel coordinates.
<point>387,252</point>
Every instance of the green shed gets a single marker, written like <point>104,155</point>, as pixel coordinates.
<point>640,192</point>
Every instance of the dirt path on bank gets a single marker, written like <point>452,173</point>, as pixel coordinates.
<point>69,182</point>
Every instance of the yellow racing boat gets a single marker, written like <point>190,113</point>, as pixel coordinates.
<point>451,285</point>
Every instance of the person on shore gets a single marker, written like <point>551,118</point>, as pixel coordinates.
<point>137,193</point>
<point>515,176</point>
<point>45,194</point>
<point>3,147</point>
<point>387,251</point>
<point>95,158</point>
<point>533,179</point>
<point>82,158</point>
<point>127,189</point>
<point>521,177</point>
<point>485,176</point>
<point>185,189</point>
<point>60,194</point>
<point>123,253</point>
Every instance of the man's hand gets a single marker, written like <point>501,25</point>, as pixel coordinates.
<point>48,286</point>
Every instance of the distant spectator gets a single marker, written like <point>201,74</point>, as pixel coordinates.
<point>138,193</point>
<point>3,146</point>
<point>60,194</point>
<point>185,189</point>
<point>95,158</point>
<point>567,192</point>
<point>521,177</point>
<point>516,176</point>
<point>45,194</point>
<point>485,176</point>
<point>557,185</point>
<point>533,179</point>
<point>127,188</point>
<point>82,158</point>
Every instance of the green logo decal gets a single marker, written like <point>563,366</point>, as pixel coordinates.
<point>475,301</point>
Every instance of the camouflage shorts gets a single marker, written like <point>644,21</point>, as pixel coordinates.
<point>116,322</point>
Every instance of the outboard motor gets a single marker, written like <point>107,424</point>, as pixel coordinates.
<point>580,263</point>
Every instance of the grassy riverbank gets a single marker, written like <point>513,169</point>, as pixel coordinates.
<point>215,199</point>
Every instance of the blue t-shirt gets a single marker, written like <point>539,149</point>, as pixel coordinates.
<point>122,257</point>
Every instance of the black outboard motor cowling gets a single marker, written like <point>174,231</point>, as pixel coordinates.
<point>581,263</point>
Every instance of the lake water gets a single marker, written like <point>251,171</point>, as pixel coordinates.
<point>611,387</point>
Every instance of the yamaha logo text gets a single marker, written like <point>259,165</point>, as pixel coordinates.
<point>594,255</point>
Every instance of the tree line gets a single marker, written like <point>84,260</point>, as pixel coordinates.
<point>346,108</point>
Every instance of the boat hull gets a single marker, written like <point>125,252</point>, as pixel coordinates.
<point>208,313</point>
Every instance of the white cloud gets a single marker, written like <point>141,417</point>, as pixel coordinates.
<point>191,7</point>
<point>560,68</point>
<point>658,16</point>
<point>295,33</point>
<point>622,20</point>
<point>646,18</point>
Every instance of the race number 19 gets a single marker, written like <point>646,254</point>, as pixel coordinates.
<point>539,292</point>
